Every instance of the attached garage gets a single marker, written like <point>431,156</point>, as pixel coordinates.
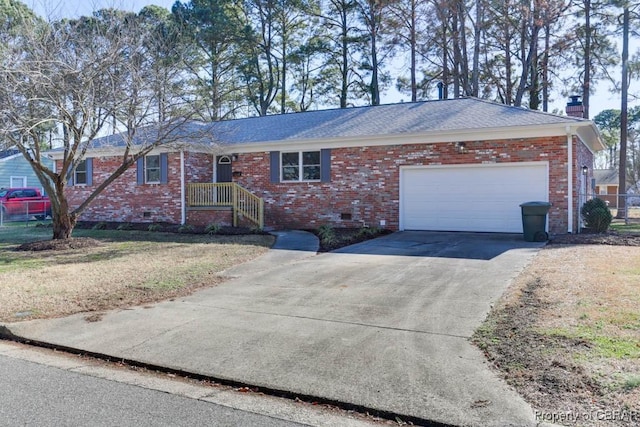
<point>480,197</point>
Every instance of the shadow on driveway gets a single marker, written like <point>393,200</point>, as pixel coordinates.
<point>432,244</point>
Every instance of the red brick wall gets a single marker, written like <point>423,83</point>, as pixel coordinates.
<point>203,217</point>
<point>126,201</point>
<point>365,181</point>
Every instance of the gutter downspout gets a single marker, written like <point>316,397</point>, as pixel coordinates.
<point>183,209</point>
<point>569,180</point>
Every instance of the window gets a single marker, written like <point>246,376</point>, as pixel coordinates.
<point>17,181</point>
<point>305,166</point>
<point>152,169</point>
<point>80,174</point>
<point>301,166</point>
<point>603,190</point>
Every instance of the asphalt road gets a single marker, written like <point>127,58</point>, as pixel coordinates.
<point>39,395</point>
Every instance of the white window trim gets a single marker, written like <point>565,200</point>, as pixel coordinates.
<point>300,166</point>
<point>75,175</point>
<point>23,178</point>
<point>603,190</point>
<point>146,176</point>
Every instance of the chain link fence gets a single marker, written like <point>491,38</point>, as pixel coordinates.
<point>23,212</point>
<point>625,207</point>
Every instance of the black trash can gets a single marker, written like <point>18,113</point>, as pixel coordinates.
<point>534,221</point>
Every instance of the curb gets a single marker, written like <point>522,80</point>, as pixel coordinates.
<point>7,335</point>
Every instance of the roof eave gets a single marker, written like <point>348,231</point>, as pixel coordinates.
<point>509,132</point>
<point>585,130</point>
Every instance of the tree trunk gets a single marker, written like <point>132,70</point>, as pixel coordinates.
<point>545,68</point>
<point>344,67</point>
<point>445,57</point>
<point>63,225</point>
<point>283,86</point>
<point>414,46</point>
<point>624,128</point>
<point>374,87</point>
<point>63,220</point>
<point>586,84</point>
<point>475,76</point>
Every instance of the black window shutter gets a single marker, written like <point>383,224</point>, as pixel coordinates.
<point>140,170</point>
<point>325,165</point>
<point>164,168</point>
<point>275,166</point>
<point>89,163</point>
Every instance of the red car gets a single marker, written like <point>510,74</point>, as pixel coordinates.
<point>24,201</point>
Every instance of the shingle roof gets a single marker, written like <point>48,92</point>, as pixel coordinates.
<point>461,114</point>
<point>605,176</point>
<point>406,118</point>
<point>187,131</point>
<point>8,153</point>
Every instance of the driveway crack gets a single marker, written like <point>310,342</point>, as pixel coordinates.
<point>343,322</point>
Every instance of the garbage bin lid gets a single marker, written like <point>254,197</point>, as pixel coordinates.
<point>547,204</point>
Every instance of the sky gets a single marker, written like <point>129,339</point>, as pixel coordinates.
<point>53,9</point>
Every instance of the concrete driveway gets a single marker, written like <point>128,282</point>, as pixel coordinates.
<point>384,324</point>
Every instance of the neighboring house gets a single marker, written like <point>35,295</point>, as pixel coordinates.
<point>15,171</point>
<point>459,165</point>
<point>606,188</point>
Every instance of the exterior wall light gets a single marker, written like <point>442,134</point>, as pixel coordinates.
<point>461,147</point>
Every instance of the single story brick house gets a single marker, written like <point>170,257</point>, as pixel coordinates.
<point>457,165</point>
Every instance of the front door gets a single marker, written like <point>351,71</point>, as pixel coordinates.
<point>223,169</point>
<point>223,174</point>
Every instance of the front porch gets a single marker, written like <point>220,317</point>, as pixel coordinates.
<point>212,202</point>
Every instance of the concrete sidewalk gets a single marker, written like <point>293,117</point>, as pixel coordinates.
<point>384,324</point>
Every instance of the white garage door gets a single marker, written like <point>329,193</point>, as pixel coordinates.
<point>470,197</point>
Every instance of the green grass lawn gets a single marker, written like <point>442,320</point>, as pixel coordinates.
<point>621,227</point>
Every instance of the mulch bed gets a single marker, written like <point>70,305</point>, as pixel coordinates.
<point>87,242</point>
<point>60,244</point>
<point>164,227</point>
<point>348,236</point>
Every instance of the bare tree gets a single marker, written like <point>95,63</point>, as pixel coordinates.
<point>80,77</point>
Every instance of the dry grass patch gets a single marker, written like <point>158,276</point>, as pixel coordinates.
<point>567,333</point>
<point>125,269</point>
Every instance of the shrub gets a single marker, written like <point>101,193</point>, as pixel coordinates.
<point>212,229</point>
<point>154,227</point>
<point>368,231</point>
<point>596,215</point>
<point>125,226</point>
<point>256,230</point>
<point>186,228</point>
<point>327,234</point>
<point>100,226</point>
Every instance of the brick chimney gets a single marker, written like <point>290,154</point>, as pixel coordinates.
<point>575,107</point>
